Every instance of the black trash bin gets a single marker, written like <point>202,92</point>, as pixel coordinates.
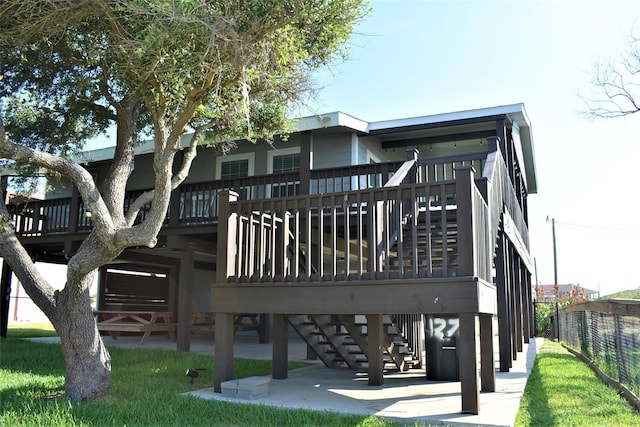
<point>442,356</point>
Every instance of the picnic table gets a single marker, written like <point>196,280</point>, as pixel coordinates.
<point>116,321</point>
<point>204,321</point>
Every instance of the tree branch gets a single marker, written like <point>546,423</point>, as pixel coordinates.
<point>617,90</point>
<point>13,253</point>
<point>80,176</point>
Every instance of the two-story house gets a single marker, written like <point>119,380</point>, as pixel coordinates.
<point>380,243</point>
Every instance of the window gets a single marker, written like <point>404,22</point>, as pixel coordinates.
<point>286,163</point>
<point>284,160</point>
<point>234,169</point>
<point>234,166</point>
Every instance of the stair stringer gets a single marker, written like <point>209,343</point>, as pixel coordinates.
<point>396,348</point>
<point>342,342</point>
<point>315,339</point>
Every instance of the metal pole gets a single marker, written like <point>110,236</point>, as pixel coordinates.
<point>557,328</point>
<point>555,255</point>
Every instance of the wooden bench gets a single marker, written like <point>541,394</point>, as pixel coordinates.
<point>114,322</point>
<point>204,321</point>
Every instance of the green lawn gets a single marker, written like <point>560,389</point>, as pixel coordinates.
<point>145,391</point>
<point>561,391</point>
<point>28,329</point>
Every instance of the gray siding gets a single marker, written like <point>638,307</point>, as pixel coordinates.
<point>332,150</point>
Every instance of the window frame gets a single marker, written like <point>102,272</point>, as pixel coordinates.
<point>251,157</point>
<point>271,154</point>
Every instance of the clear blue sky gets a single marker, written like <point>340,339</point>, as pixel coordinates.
<point>414,58</point>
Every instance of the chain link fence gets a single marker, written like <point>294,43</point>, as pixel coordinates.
<point>546,315</point>
<point>608,334</point>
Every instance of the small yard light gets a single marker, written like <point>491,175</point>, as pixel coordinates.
<point>193,373</point>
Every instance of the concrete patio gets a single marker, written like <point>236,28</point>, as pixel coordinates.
<point>404,397</point>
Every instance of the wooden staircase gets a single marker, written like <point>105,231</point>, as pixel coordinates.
<point>427,245</point>
<point>341,340</point>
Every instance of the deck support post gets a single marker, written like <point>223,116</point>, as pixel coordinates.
<point>280,354</point>
<point>223,350</point>
<point>487,370</point>
<point>264,326</point>
<point>184,301</point>
<point>375,354</point>
<point>468,364</point>
<point>225,267</point>
<point>513,289</point>
<point>519,302</point>
<point>526,302</point>
<point>504,315</point>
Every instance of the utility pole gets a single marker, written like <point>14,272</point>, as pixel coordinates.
<point>555,254</point>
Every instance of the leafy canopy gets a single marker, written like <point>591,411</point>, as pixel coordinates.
<point>231,67</point>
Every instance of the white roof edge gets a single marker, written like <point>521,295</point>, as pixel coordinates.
<point>334,119</point>
<point>515,111</point>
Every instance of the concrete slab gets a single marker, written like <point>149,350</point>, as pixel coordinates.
<point>404,397</point>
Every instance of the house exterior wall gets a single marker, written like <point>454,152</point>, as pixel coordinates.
<point>332,150</point>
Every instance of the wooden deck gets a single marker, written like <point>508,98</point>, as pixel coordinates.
<point>450,239</point>
<point>423,248</point>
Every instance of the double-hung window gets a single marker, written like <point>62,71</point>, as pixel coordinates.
<point>283,161</point>
<point>236,166</point>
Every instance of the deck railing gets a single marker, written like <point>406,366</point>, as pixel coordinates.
<point>443,169</point>
<point>345,236</point>
<point>197,203</point>
<point>497,190</point>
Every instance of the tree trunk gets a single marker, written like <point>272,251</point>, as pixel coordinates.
<point>88,363</point>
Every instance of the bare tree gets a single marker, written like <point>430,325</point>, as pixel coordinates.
<point>617,85</point>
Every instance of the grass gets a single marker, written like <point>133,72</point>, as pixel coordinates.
<point>563,391</point>
<point>26,330</point>
<point>146,387</point>
<point>145,391</point>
